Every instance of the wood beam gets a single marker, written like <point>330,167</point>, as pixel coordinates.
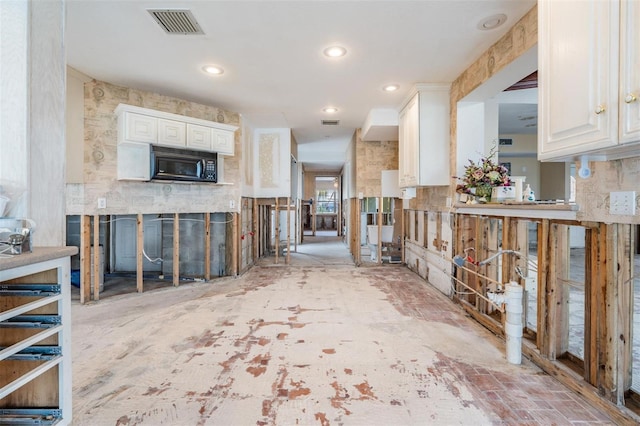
<point>276,218</point>
<point>256,229</point>
<point>176,249</point>
<point>543,326</point>
<point>379,248</point>
<point>96,257</point>
<point>235,264</point>
<point>85,258</point>
<point>207,246</point>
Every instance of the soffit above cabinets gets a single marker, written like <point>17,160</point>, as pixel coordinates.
<point>381,125</point>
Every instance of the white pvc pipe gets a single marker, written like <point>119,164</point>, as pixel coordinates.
<point>513,325</point>
<point>512,298</point>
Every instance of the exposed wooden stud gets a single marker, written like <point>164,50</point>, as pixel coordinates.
<point>235,237</point>
<point>339,216</point>
<point>296,224</point>
<point>508,262</point>
<point>288,260</point>
<point>139,249</point>
<point>85,258</point>
<point>520,238</point>
<point>595,289</point>
<point>238,243</point>
<point>623,309</point>
<point>313,219</point>
<point>379,248</point>
<point>276,218</point>
<point>402,236</point>
<point>96,257</point>
<point>207,246</point>
<point>256,228</point>
<point>560,300</point>
<point>355,230</point>
<point>176,249</point>
<point>543,326</point>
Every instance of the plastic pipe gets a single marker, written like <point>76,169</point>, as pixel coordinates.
<point>512,298</point>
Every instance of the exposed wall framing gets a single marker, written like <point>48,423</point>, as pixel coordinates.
<point>92,227</point>
<point>603,374</point>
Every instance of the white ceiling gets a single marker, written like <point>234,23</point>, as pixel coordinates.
<point>275,72</point>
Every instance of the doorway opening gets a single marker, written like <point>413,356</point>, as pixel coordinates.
<point>321,214</point>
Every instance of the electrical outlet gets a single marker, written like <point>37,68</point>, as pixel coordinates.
<point>102,203</point>
<point>622,202</point>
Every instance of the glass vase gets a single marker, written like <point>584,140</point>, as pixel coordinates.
<point>483,193</point>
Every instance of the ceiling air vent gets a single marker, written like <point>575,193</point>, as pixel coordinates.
<point>176,21</point>
<point>330,122</point>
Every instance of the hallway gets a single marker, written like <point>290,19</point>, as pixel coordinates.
<point>318,341</point>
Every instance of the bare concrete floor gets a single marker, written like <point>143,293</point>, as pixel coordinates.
<point>316,342</point>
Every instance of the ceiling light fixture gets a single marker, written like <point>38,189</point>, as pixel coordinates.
<point>335,51</point>
<point>390,87</point>
<point>213,69</point>
<point>492,22</point>
<point>330,110</point>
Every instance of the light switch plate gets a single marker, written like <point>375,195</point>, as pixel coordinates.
<point>622,202</point>
<point>102,203</point>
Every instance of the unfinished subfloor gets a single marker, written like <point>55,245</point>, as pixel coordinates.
<point>316,342</point>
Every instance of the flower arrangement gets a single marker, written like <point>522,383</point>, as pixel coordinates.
<point>479,178</point>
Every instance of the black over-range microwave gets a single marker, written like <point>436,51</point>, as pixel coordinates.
<point>183,165</point>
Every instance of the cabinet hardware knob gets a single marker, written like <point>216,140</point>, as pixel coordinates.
<point>600,109</point>
<point>630,98</point>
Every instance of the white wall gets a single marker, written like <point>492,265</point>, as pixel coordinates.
<point>32,114</point>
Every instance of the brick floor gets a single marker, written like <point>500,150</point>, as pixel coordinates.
<point>304,344</point>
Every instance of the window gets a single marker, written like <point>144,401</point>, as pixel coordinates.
<point>326,201</point>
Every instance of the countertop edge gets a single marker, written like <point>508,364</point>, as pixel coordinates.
<point>39,254</point>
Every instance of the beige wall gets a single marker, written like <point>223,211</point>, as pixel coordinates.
<point>371,159</point>
<point>128,197</point>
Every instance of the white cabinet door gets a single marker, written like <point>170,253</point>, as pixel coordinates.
<point>434,135</point>
<point>140,128</point>
<point>408,144</point>
<point>424,138</point>
<point>629,94</point>
<point>171,133</point>
<point>134,161</point>
<point>199,137</point>
<point>578,70</point>
<point>223,142</point>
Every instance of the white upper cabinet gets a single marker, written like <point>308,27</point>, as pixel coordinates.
<point>143,125</point>
<point>171,133</point>
<point>588,62</point>
<point>138,128</point>
<point>199,137</point>
<point>408,144</point>
<point>423,130</point>
<point>629,71</point>
<point>222,142</point>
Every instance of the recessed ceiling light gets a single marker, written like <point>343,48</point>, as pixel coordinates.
<point>330,110</point>
<point>335,51</point>
<point>390,87</point>
<point>213,69</point>
<point>491,22</point>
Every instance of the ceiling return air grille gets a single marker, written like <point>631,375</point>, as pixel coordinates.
<point>330,122</point>
<point>176,21</point>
